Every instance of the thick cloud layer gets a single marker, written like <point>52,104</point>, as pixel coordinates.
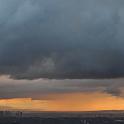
<point>42,88</point>
<point>62,38</point>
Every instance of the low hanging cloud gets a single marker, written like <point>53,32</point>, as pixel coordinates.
<point>62,39</point>
<point>42,88</point>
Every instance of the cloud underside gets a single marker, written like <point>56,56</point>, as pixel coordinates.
<point>43,88</point>
<point>66,39</point>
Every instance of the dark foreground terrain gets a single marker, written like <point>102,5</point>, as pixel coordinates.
<point>61,120</point>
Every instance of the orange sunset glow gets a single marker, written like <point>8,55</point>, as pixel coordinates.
<point>66,102</point>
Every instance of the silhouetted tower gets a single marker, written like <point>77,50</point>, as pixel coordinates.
<point>1,113</point>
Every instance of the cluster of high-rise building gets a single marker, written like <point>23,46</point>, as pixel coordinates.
<point>10,114</point>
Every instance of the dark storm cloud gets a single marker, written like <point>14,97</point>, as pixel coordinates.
<point>61,38</point>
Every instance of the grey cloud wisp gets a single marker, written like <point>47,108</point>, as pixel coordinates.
<point>62,39</point>
<point>42,88</point>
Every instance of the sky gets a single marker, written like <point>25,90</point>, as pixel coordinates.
<point>61,55</point>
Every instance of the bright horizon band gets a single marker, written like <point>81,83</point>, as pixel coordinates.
<point>66,102</point>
